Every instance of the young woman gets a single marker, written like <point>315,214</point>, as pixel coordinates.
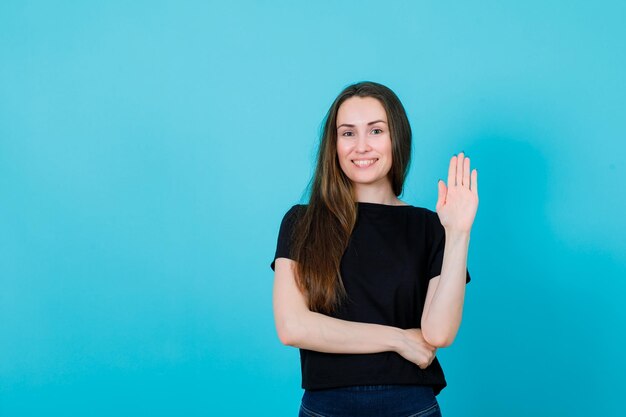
<point>367,286</point>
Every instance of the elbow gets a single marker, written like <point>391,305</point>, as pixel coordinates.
<point>438,339</point>
<point>286,337</point>
<point>442,343</point>
<point>289,331</point>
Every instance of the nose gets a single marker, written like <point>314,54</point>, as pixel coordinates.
<point>362,145</point>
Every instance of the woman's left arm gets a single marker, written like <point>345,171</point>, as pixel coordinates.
<point>456,206</point>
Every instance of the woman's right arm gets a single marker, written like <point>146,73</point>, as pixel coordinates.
<point>299,327</point>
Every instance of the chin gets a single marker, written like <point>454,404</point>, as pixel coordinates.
<point>365,180</point>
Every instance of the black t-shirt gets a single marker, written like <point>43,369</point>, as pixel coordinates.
<point>392,254</point>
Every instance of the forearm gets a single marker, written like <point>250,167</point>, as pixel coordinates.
<point>441,318</point>
<point>318,332</point>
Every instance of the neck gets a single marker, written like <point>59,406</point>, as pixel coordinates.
<point>379,195</point>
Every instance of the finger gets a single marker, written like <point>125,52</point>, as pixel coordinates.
<point>459,169</point>
<point>452,172</point>
<point>428,362</point>
<point>475,181</point>
<point>466,173</point>
<point>441,197</point>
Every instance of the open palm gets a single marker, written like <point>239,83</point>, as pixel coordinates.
<point>458,201</point>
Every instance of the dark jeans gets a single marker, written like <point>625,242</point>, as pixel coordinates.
<point>370,401</point>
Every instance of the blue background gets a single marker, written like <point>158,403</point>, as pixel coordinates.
<point>148,151</point>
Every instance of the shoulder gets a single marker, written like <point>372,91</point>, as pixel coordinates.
<point>297,208</point>
<point>295,211</point>
<point>423,212</point>
<point>291,216</point>
<point>428,219</point>
<point>434,227</point>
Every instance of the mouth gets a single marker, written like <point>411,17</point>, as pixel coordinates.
<point>364,163</point>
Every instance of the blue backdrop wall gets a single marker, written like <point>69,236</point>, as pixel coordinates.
<point>148,151</point>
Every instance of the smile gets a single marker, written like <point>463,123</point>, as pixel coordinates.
<point>364,163</point>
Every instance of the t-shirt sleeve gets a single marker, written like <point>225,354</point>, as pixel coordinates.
<point>283,246</point>
<point>437,243</point>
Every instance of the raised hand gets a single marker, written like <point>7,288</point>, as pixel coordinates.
<point>458,201</point>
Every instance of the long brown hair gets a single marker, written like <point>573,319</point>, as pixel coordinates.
<point>322,232</point>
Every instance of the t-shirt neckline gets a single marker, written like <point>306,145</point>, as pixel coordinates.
<point>367,204</point>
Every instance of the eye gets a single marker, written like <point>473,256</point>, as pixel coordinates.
<point>347,133</point>
<point>377,131</point>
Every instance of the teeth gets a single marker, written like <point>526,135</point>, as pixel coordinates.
<point>364,163</point>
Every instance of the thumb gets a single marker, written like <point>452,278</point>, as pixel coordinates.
<point>442,191</point>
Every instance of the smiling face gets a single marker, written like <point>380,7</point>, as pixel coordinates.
<point>364,144</point>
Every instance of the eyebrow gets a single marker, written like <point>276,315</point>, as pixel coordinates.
<point>369,124</point>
